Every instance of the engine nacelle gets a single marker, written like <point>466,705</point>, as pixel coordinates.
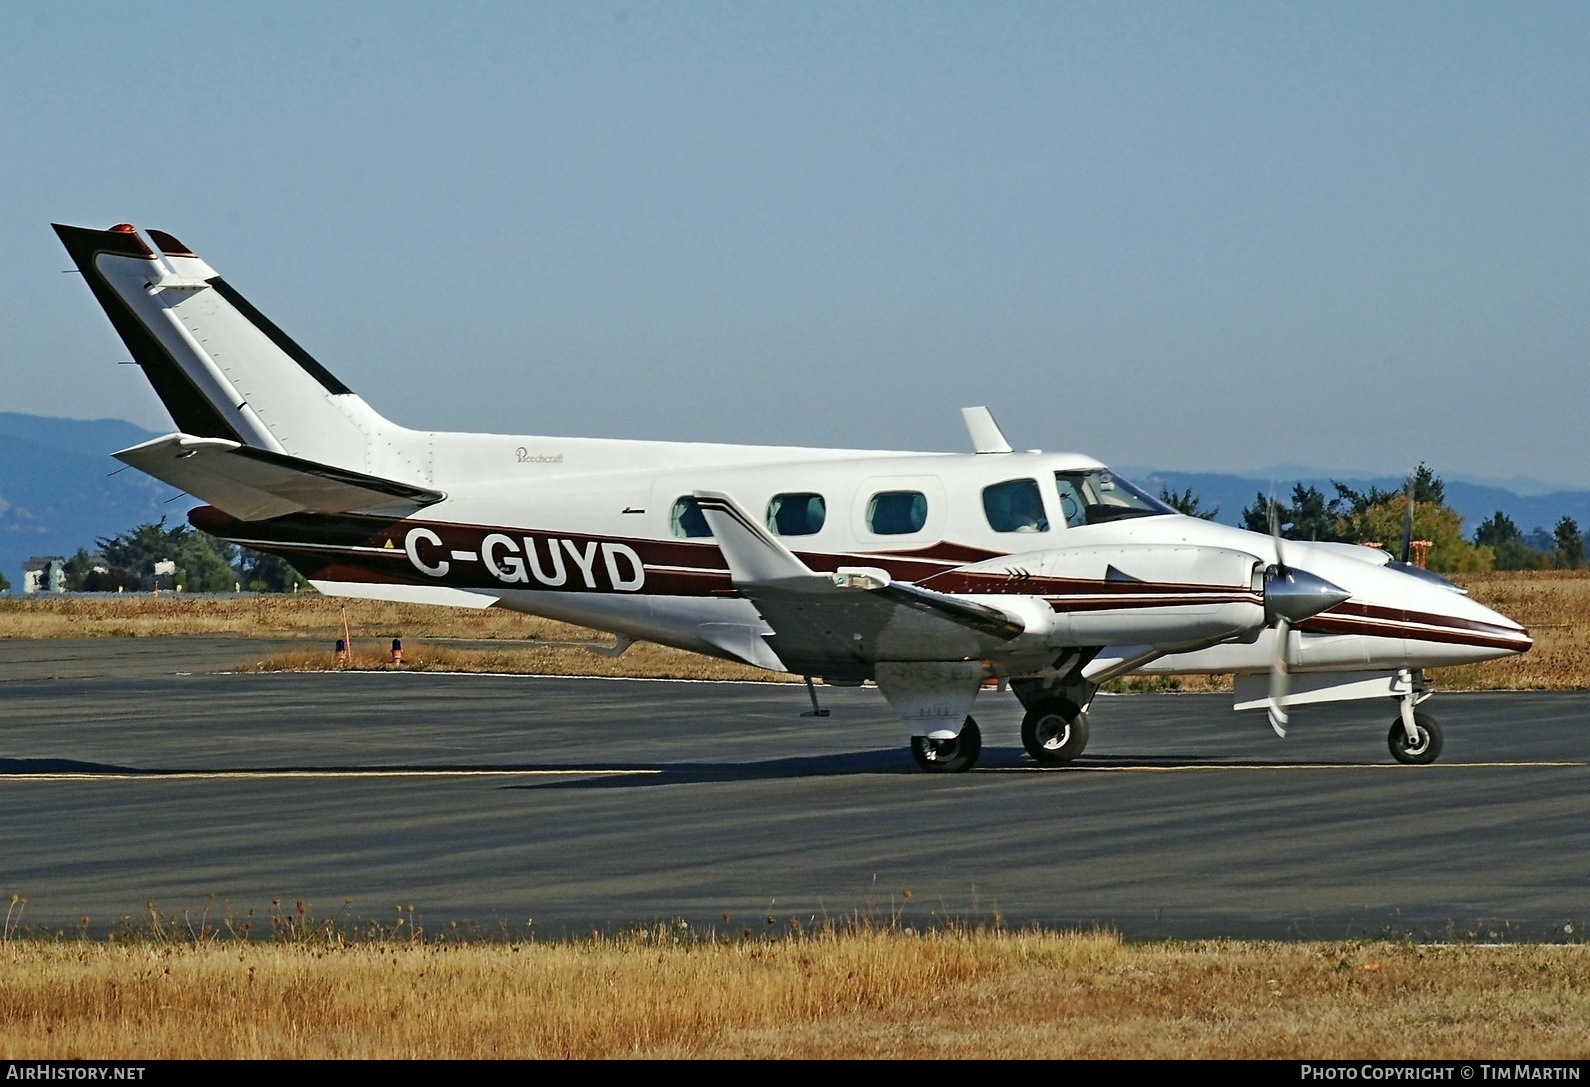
<point>1122,594</point>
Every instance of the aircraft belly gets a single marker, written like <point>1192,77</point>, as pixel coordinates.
<point>1419,653</point>
<point>1309,653</point>
<point>1231,657</point>
<point>667,620</point>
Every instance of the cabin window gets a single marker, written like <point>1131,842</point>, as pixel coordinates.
<point>797,514</point>
<point>687,520</point>
<point>896,513</point>
<point>1015,506</point>
<point>1100,496</point>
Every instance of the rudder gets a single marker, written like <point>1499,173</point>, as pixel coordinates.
<point>224,370</point>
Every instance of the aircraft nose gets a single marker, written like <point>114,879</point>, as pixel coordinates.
<point>1448,625</point>
<point>1519,633</point>
<point>1505,634</point>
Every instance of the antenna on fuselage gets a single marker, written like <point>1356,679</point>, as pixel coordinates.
<point>986,435</point>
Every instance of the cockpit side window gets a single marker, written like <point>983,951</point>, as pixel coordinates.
<point>1015,506</point>
<point>1099,496</point>
<point>687,521</point>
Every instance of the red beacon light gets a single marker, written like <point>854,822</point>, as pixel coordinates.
<point>124,228</point>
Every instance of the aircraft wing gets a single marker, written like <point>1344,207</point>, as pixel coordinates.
<point>256,484</point>
<point>855,615</point>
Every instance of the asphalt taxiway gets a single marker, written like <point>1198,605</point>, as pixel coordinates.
<point>565,804</point>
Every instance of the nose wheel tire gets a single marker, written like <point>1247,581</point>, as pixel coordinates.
<point>1054,733</point>
<point>1426,751</point>
<point>954,756</point>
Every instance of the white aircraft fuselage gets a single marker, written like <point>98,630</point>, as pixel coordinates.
<point>927,573</point>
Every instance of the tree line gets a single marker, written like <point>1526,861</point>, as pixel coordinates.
<point>1377,516</point>
<point>203,564</point>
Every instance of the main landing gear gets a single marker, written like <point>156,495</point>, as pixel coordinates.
<point>1054,732</point>
<point>1055,728</point>
<point>953,756</point>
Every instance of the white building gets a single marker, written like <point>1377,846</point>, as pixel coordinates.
<point>46,574</point>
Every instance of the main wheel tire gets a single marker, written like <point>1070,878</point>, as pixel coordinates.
<point>1054,733</point>
<point>954,756</point>
<point>1426,751</point>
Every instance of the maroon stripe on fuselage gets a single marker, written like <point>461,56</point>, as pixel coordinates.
<point>1431,628</point>
<point>356,547</point>
<point>1401,615</point>
<point>348,547</point>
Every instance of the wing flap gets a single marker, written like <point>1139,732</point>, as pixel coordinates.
<point>255,484</point>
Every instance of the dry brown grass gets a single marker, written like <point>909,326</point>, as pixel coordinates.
<point>266,615</point>
<point>864,993</point>
<point>529,644</point>
<point>1553,604</point>
<point>642,660</point>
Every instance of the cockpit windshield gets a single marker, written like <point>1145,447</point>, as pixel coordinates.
<point>1098,496</point>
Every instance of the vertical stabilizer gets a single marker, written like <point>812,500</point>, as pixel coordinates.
<point>221,367</point>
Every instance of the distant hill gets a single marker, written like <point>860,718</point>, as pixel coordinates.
<point>1474,501</point>
<point>57,493</point>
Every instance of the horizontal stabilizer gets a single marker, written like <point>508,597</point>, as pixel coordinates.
<point>257,484</point>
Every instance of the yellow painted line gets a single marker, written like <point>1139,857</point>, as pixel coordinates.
<point>272,775</point>
<point>1280,766</point>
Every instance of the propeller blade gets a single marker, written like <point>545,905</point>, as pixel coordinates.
<point>1280,678</point>
<point>1407,525</point>
<point>1275,532</point>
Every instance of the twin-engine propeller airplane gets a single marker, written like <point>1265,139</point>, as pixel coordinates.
<point>929,574</point>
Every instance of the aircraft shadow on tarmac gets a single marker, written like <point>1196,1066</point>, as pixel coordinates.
<point>36,767</point>
<point>894,762</point>
<point>586,775</point>
<point>886,761</point>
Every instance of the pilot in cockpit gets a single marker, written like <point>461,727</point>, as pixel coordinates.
<point>1027,511</point>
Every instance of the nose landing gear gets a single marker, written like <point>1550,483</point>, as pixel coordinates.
<point>1421,750</point>
<point>1415,738</point>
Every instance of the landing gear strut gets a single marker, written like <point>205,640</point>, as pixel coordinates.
<point>1415,738</point>
<point>1054,732</point>
<point>953,756</point>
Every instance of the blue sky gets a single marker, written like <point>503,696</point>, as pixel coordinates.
<point>1206,237</point>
